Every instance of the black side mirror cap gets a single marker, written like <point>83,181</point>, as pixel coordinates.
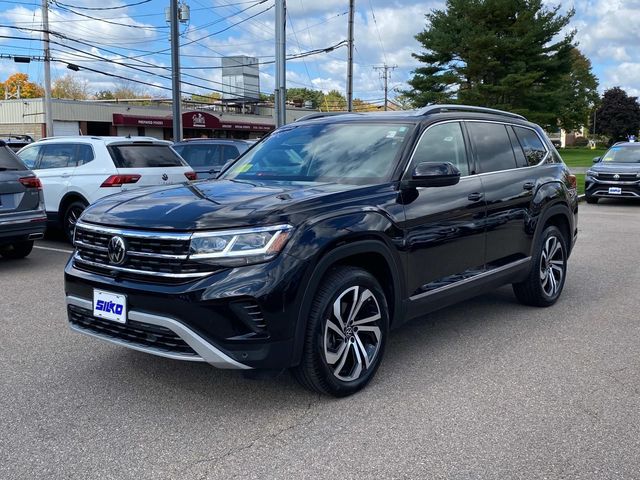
<point>431,174</point>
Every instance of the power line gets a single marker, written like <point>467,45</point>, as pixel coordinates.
<point>103,8</point>
<point>107,21</point>
<point>375,22</point>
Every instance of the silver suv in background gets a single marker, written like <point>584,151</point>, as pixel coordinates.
<point>77,171</point>
<point>22,217</point>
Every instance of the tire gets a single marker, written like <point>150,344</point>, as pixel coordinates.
<point>591,200</point>
<point>17,250</point>
<point>71,215</point>
<point>545,282</point>
<point>340,359</point>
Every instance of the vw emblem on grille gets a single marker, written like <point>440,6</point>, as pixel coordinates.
<point>165,177</point>
<point>616,177</point>
<point>117,250</point>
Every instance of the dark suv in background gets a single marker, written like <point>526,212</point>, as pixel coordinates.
<point>310,247</point>
<point>616,174</point>
<point>22,216</point>
<point>207,156</point>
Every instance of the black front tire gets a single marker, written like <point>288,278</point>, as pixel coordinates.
<point>16,250</point>
<point>340,360</point>
<point>591,200</point>
<point>71,216</point>
<point>545,281</point>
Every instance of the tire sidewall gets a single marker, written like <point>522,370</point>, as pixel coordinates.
<point>65,220</point>
<point>335,385</point>
<point>549,232</point>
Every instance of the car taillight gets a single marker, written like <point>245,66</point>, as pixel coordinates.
<point>119,180</point>
<point>31,182</point>
<point>191,175</point>
<point>573,182</point>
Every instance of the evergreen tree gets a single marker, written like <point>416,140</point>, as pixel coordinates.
<point>507,54</point>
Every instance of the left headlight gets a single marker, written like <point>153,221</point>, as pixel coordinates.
<point>592,173</point>
<point>239,247</point>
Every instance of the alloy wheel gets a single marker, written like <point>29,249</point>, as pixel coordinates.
<point>552,265</point>
<point>352,335</point>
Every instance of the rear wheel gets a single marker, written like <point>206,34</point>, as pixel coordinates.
<point>346,333</point>
<point>16,250</point>
<point>591,200</point>
<point>71,216</point>
<point>545,282</point>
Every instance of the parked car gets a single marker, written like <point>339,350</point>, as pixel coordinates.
<point>22,217</point>
<point>77,171</point>
<point>16,142</point>
<point>614,175</point>
<point>310,247</point>
<point>207,156</point>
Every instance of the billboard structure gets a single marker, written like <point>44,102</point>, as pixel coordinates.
<point>240,79</point>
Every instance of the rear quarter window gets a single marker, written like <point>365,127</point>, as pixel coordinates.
<point>9,160</point>
<point>534,149</point>
<point>144,156</point>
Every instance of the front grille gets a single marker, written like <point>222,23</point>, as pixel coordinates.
<point>623,177</point>
<point>149,254</point>
<point>135,333</point>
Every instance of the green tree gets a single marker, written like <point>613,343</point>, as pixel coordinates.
<point>104,95</point>
<point>508,54</point>
<point>333,101</point>
<point>301,95</point>
<point>20,80</point>
<point>206,98</point>
<point>618,115</point>
<point>70,87</point>
<point>580,93</point>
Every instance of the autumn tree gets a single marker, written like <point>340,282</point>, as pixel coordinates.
<point>70,87</point>
<point>20,81</point>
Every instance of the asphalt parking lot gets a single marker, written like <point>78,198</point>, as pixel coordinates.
<point>484,389</point>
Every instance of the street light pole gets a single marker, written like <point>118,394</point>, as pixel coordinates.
<point>175,71</point>
<point>280,100</point>
<point>48,110</point>
<point>350,58</point>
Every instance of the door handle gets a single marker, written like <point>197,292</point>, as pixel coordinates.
<point>475,196</point>
<point>529,186</point>
<point>65,175</point>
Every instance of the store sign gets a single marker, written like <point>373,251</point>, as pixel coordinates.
<point>198,120</point>
<point>134,121</point>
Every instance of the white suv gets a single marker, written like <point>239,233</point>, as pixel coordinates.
<point>77,171</point>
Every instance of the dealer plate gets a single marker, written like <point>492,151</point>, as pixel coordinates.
<point>615,190</point>
<point>110,306</point>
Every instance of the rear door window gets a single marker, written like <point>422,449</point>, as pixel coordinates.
<point>9,160</point>
<point>58,155</point>
<point>492,146</point>
<point>144,156</point>
<point>534,149</point>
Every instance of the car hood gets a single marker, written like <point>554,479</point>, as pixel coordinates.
<point>211,204</point>
<point>611,167</point>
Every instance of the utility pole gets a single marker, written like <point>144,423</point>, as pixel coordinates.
<point>48,110</point>
<point>175,71</point>
<point>280,94</point>
<point>386,74</point>
<point>352,6</point>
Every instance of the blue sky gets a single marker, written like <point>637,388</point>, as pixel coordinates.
<point>608,34</point>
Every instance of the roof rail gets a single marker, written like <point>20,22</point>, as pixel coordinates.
<point>315,115</point>
<point>465,108</point>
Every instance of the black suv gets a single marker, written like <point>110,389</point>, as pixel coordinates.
<point>326,234</point>
<point>614,175</point>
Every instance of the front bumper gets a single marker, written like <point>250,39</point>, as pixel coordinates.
<point>595,187</point>
<point>238,318</point>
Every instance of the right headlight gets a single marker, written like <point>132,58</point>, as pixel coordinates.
<point>592,173</point>
<point>239,246</point>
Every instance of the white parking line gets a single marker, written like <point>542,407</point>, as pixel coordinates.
<point>61,250</point>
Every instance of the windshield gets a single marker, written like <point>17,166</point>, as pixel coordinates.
<point>622,154</point>
<point>341,153</point>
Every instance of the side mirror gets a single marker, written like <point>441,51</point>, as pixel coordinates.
<point>428,174</point>
<point>596,159</point>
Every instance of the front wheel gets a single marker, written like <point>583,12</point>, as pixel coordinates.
<point>346,333</point>
<point>545,282</point>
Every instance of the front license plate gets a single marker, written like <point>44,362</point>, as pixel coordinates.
<point>615,190</point>
<point>110,306</point>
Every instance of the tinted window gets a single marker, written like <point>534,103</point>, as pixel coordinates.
<point>144,156</point>
<point>442,143</point>
<point>29,156</point>
<point>229,153</point>
<point>9,160</point>
<point>517,149</point>
<point>534,150</point>
<point>358,153</point>
<point>85,154</point>
<point>58,155</point>
<point>199,154</point>
<point>493,148</point>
